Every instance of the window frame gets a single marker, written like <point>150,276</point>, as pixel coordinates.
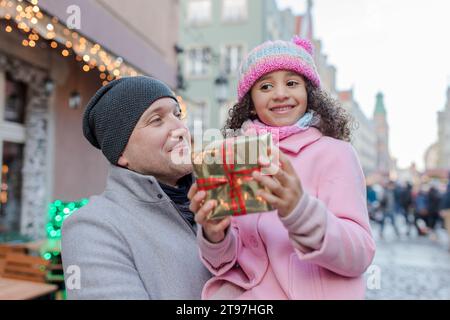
<point>194,23</point>
<point>223,51</point>
<point>9,131</point>
<point>187,63</point>
<point>224,19</point>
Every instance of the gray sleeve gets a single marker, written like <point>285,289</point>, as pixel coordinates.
<point>95,251</point>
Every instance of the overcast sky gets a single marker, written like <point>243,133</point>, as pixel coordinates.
<point>399,47</point>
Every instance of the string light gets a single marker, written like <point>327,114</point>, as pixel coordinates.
<point>29,19</point>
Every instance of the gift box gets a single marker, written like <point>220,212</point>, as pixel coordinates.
<point>224,170</point>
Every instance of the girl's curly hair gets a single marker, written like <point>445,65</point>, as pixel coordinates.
<point>334,122</point>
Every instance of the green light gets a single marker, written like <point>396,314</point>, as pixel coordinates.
<point>47,256</point>
<point>58,211</point>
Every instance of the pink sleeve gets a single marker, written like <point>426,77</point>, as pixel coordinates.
<point>218,257</point>
<point>333,230</point>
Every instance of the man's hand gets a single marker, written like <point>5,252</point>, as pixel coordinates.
<point>214,230</point>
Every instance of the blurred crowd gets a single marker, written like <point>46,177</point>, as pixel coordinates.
<point>424,207</point>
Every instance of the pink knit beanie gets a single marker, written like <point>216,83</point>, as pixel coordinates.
<point>270,56</point>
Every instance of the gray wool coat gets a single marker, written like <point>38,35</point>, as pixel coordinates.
<point>131,242</point>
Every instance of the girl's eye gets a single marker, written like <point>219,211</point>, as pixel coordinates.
<point>266,86</point>
<point>179,115</point>
<point>292,83</point>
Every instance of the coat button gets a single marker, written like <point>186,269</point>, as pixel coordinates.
<point>160,196</point>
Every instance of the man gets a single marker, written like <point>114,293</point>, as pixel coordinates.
<point>137,240</point>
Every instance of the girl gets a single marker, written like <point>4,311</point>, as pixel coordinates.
<point>318,242</point>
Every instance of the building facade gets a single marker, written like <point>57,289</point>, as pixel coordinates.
<point>48,72</point>
<point>443,144</point>
<point>364,139</point>
<point>382,134</point>
<point>215,36</point>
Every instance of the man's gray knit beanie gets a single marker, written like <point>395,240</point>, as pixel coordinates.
<point>113,112</point>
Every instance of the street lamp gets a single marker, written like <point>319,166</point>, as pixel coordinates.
<point>74,100</point>
<point>49,85</point>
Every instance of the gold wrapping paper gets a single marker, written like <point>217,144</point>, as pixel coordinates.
<point>227,177</point>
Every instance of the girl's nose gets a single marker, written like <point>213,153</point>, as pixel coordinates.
<point>280,93</point>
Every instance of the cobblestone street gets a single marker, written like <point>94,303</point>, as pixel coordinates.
<point>411,267</point>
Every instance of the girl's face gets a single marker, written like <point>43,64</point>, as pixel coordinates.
<point>280,98</point>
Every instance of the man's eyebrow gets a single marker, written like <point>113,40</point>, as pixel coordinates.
<point>150,112</point>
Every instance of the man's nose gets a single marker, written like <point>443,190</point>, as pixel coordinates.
<point>180,133</point>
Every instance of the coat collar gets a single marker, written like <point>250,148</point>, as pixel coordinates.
<point>130,184</point>
<point>298,141</point>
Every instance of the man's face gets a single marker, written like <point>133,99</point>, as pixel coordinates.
<point>157,142</point>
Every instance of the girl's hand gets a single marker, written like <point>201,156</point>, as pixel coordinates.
<point>284,185</point>
<point>213,230</point>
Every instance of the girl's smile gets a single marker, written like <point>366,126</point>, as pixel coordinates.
<point>282,109</point>
<point>280,98</point>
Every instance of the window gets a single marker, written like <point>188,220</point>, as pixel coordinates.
<point>198,60</point>
<point>234,10</point>
<point>12,140</point>
<point>15,93</point>
<point>11,186</point>
<point>199,12</point>
<point>232,57</point>
<point>197,112</point>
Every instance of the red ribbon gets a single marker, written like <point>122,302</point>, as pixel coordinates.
<point>232,178</point>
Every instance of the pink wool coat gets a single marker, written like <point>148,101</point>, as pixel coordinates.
<point>319,251</point>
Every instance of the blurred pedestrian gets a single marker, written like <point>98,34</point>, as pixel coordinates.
<point>388,208</point>
<point>398,190</point>
<point>406,203</point>
<point>434,201</point>
<point>445,209</point>
<point>421,211</point>
<point>372,202</point>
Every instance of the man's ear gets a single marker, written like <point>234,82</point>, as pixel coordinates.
<point>123,162</point>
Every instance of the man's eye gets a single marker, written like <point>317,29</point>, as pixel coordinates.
<point>155,120</point>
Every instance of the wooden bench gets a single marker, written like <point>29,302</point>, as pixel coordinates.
<point>23,267</point>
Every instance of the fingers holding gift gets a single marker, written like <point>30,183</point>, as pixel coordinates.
<point>284,186</point>
<point>270,183</point>
<point>192,191</point>
<point>213,230</point>
<point>284,205</point>
<point>197,198</point>
<point>203,211</point>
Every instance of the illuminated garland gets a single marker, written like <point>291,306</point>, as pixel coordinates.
<point>28,17</point>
